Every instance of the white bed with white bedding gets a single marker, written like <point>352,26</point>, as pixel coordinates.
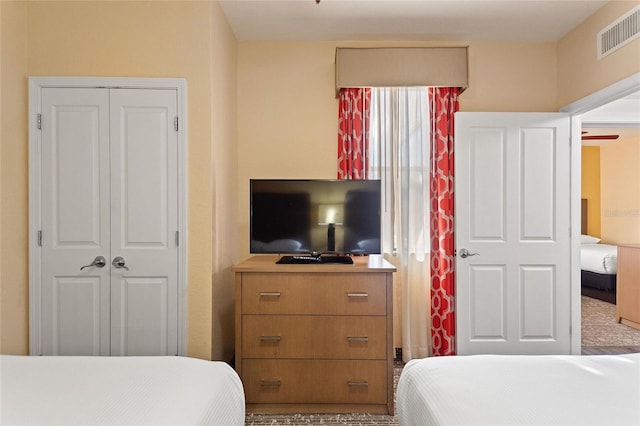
<point>599,258</point>
<point>66,390</point>
<point>520,390</point>
<point>599,268</point>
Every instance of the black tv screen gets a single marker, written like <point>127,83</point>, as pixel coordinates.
<point>315,216</point>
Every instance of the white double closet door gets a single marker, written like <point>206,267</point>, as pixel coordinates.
<point>109,221</point>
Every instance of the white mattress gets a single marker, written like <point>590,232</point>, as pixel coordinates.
<point>63,390</point>
<point>599,258</point>
<point>520,390</point>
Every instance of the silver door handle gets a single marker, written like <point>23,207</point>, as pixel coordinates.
<point>118,262</point>
<point>98,262</point>
<point>464,253</point>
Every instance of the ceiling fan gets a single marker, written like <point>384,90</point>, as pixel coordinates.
<point>586,137</point>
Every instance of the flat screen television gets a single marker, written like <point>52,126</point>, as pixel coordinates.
<point>296,216</point>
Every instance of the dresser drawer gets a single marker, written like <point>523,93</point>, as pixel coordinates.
<point>314,381</point>
<point>314,294</point>
<point>300,336</point>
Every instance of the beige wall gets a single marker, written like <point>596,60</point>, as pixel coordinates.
<point>224,161</point>
<point>511,77</point>
<point>620,189</point>
<point>14,294</point>
<point>591,187</point>
<point>287,116</point>
<point>186,39</point>
<point>287,109</point>
<point>281,124</point>
<point>580,73</point>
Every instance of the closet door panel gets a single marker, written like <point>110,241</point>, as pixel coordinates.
<point>140,316</point>
<point>144,148</point>
<point>75,221</point>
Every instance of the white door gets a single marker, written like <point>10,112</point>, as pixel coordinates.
<point>512,210</point>
<point>109,189</point>
<point>75,222</point>
<point>144,222</point>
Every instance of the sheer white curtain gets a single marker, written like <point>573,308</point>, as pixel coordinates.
<point>399,156</point>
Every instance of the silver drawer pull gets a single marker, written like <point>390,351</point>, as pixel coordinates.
<point>270,382</point>
<point>269,294</point>
<point>270,338</point>
<point>358,383</point>
<point>358,339</point>
<point>357,294</point>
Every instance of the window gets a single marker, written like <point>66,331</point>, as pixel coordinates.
<point>399,156</point>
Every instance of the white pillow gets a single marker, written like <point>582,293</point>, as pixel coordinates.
<point>588,239</point>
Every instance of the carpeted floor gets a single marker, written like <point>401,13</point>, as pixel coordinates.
<point>601,334</point>
<point>600,328</point>
<point>320,419</point>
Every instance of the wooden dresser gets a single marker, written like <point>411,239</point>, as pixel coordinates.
<point>628,285</point>
<point>315,338</point>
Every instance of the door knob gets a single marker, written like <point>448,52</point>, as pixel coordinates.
<point>118,262</point>
<point>98,262</point>
<point>464,253</point>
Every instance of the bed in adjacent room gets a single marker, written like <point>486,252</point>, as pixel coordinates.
<point>601,262</point>
<point>598,264</point>
<point>47,390</point>
<point>520,389</point>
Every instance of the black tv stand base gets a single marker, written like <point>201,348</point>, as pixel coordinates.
<point>315,260</point>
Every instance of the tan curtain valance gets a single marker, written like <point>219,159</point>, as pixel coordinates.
<point>401,67</point>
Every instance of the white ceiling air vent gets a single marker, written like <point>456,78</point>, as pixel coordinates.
<point>622,31</point>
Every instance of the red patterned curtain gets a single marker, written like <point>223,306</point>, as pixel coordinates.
<point>444,103</point>
<point>353,135</point>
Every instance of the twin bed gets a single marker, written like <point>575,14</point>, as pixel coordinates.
<point>453,390</point>
<point>599,268</point>
<point>66,390</point>
<point>598,264</point>
<point>520,390</point>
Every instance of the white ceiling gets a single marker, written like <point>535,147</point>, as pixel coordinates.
<point>398,20</point>
<point>624,112</point>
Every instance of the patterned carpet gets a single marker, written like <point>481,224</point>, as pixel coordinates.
<point>320,419</point>
<point>601,334</point>
<point>600,329</point>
